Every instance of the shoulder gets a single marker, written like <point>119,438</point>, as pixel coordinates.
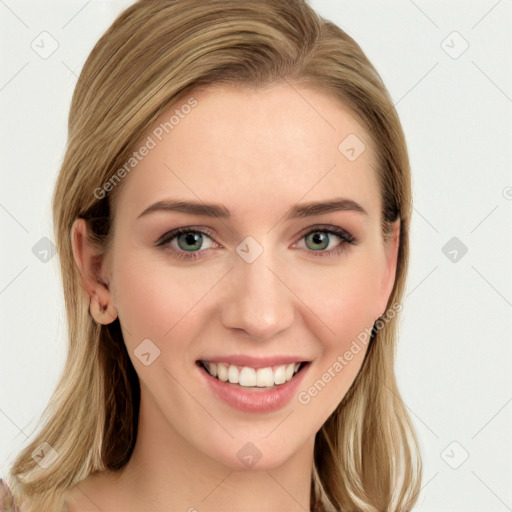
<point>7,503</point>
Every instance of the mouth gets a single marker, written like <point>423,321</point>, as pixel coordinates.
<point>257,379</point>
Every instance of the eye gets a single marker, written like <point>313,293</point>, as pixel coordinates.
<point>320,238</point>
<point>185,242</point>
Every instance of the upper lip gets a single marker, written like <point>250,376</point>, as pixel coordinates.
<point>254,362</point>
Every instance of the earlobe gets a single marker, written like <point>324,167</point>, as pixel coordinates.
<point>90,262</point>
<point>103,313</point>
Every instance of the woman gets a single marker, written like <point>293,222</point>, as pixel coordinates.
<point>232,220</point>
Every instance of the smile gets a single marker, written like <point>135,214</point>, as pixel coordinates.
<point>253,390</point>
<point>248,377</point>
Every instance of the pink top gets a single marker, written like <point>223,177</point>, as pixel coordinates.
<point>7,503</point>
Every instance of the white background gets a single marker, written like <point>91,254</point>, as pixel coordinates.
<point>454,354</point>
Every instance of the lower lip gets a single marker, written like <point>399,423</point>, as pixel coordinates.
<point>249,400</point>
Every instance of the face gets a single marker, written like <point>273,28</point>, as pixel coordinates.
<point>259,281</point>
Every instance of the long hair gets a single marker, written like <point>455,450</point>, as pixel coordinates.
<point>156,53</point>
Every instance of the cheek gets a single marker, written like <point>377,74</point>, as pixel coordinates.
<point>342,300</point>
<point>344,316</point>
<point>155,300</point>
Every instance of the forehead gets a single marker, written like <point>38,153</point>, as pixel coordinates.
<point>238,146</point>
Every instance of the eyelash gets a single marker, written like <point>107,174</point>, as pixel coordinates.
<point>164,240</point>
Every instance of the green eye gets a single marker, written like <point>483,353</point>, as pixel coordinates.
<point>189,242</point>
<point>318,238</point>
<point>191,238</point>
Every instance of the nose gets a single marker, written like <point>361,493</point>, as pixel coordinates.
<point>259,301</point>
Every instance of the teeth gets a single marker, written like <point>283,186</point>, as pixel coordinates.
<point>280,375</point>
<point>264,377</point>
<point>233,374</point>
<point>251,377</point>
<point>247,377</point>
<point>222,372</point>
<point>290,370</point>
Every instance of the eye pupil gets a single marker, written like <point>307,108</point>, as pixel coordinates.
<point>320,238</point>
<point>194,239</point>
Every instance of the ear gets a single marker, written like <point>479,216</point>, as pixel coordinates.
<point>391,245</point>
<point>91,263</point>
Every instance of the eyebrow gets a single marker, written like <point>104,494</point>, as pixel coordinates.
<point>219,211</point>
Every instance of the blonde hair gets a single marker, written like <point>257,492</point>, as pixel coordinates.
<point>157,52</point>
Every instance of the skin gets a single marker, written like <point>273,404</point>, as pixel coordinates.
<point>234,148</point>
